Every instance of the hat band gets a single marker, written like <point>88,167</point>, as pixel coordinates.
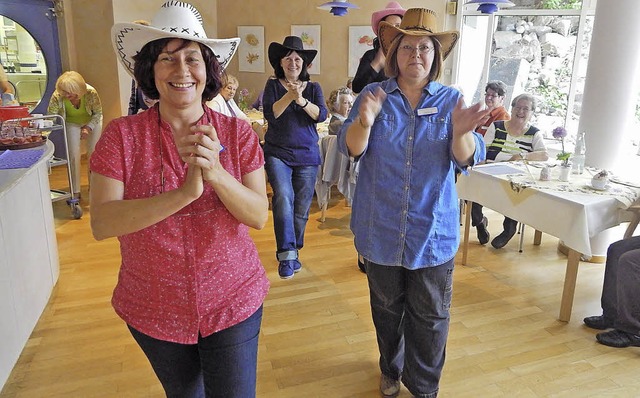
<point>417,27</point>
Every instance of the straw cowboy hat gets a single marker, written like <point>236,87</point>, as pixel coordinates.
<point>417,22</point>
<point>393,8</point>
<point>176,20</point>
<point>278,51</point>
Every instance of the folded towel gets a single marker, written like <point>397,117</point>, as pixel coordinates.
<point>21,159</point>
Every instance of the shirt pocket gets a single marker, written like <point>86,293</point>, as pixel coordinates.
<point>383,126</point>
<point>436,127</point>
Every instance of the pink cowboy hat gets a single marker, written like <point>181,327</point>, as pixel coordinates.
<point>393,8</point>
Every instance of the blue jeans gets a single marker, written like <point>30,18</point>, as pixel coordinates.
<point>410,310</point>
<point>220,365</point>
<point>293,188</point>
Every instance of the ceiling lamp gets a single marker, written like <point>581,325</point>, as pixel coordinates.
<point>490,6</point>
<point>337,8</point>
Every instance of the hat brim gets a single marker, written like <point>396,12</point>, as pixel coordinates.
<point>378,16</point>
<point>129,38</point>
<point>277,51</point>
<point>388,33</point>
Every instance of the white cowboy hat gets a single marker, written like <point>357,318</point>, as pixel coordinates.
<point>175,19</point>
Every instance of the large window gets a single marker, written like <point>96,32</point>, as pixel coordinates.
<point>537,46</point>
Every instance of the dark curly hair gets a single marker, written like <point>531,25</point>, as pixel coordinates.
<point>148,55</point>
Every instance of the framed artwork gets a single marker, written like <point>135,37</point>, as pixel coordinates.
<point>360,41</point>
<point>310,35</point>
<point>251,52</point>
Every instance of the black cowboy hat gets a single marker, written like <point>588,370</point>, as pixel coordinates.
<point>278,51</point>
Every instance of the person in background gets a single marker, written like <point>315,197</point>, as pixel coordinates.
<point>371,66</point>
<point>620,303</point>
<point>494,93</point>
<point>372,63</point>
<point>138,102</point>
<point>5,85</point>
<point>410,134</point>
<point>180,185</point>
<point>224,102</point>
<point>512,140</point>
<point>339,104</point>
<point>350,83</point>
<point>293,105</point>
<point>257,104</point>
<point>79,105</point>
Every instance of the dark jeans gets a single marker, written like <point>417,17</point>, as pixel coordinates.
<point>410,310</point>
<point>293,189</point>
<point>621,289</point>
<point>220,365</point>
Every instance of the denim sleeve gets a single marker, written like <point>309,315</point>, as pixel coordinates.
<point>479,155</point>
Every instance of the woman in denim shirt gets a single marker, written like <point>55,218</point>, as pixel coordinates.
<point>410,135</point>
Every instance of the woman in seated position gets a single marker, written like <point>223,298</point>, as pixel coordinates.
<point>511,140</point>
<point>339,103</point>
<point>293,105</point>
<point>224,102</point>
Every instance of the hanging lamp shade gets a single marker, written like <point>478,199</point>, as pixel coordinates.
<point>337,8</point>
<point>490,6</point>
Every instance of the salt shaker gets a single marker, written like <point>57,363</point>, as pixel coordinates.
<point>545,173</point>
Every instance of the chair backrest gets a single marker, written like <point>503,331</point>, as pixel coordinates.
<point>633,224</point>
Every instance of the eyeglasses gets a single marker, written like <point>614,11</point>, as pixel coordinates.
<point>409,50</point>
<point>522,108</point>
<point>487,95</point>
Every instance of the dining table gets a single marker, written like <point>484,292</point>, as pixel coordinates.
<point>573,211</point>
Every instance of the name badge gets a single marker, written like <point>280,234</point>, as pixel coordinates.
<point>427,111</point>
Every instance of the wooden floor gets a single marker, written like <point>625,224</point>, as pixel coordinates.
<point>317,337</point>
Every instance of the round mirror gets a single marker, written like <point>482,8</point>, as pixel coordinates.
<point>25,69</point>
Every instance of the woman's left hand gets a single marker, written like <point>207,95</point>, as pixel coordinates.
<point>202,148</point>
<point>84,132</point>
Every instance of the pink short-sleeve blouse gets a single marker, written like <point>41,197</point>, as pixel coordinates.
<point>197,271</point>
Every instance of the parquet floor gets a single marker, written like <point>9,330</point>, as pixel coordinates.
<point>317,337</point>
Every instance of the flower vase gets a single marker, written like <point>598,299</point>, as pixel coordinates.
<point>565,172</point>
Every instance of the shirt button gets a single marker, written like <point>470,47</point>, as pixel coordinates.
<point>410,138</point>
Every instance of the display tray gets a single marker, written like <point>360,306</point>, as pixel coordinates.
<point>25,145</point>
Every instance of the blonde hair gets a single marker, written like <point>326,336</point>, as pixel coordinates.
<point>71,82</point>
<point>229,78</point>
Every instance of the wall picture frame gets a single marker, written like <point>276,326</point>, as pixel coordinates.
<point>251,51</point>
<point>360,41</point>
<point>310,35</point>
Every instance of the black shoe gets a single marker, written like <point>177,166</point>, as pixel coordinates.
<point>598,322</point>
<point>361,266</point>
<point>618,338</point>
<point>501,240</point>
<point>483,234</point>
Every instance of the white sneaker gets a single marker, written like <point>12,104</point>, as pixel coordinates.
<point>389,387</point>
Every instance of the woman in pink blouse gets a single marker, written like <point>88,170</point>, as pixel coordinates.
<point>180,185</point>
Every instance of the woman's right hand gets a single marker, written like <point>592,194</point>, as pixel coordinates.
<point>193,186</point>
<point>370,106</point>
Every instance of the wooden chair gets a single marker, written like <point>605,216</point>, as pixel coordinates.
<point>633,224</point>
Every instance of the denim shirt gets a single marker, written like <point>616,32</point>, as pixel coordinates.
<point>405,208</point>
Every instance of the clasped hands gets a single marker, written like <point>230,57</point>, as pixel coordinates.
<point>200,150</point>
<point>294,91</point>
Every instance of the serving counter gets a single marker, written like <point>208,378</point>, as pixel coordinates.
<point>29,265</point>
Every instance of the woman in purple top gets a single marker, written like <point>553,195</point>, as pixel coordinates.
<point>292,107</point>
